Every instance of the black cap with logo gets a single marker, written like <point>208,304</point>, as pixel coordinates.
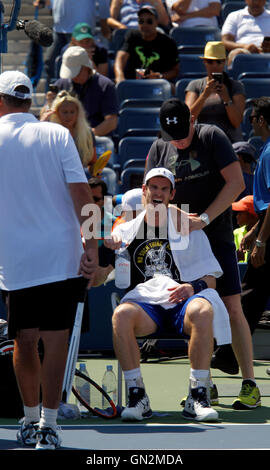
<point>174,120</point>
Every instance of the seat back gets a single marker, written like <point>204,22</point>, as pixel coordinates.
<point>153,91</point>
<point>131,148</point>
<point>195,35</point>
<point>138,118</point>
<point>245,63</point>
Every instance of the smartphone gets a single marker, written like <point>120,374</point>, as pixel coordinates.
<point>218,77</point>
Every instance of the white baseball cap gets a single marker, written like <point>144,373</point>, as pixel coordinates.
<point>11,79</point>
<point>160,172</point>
<point>73,59</point>
<point>131,199</point>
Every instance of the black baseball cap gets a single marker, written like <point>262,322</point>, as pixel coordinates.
<point>148,9</point>
<point>174,120</point>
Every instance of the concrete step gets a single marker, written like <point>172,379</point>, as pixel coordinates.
<point>26,11</point>
<point>14,58</point>
<point>46,20</point>
<point>21,46</point>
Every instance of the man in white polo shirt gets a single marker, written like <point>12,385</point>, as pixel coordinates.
<point>42,191</point>
<point>244,30</point>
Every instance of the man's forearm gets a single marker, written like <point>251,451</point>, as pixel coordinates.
<point>264,232</point>
<point>106,126</point>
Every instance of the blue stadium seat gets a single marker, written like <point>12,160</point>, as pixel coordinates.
<point>143,92</point>
<point>131,148</point>
<point>117,39</point>
<point>191,65</point>
<point>138,121</point>
<point>245,124</point>
<point>256,87</point>
<point>228,6</point>
<point>131,178</point>
<point>194,35</point>
<point>191,49</point>
<point>245,63</point>
<point>180,87</point>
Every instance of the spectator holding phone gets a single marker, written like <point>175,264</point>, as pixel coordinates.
<point>246,31</point>
<point>216,98</point>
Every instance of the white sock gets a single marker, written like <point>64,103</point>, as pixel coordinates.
<point>31,414</point>
<point>48,418</point>
<point>199,378</point>
<point>133,378</point>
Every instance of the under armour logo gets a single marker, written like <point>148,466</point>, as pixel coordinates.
<point>173,120</point>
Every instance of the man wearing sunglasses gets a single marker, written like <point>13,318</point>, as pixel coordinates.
<point>258,238</point>
<point>147,49</point>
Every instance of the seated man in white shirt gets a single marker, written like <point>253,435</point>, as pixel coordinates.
<point>245,31</point>
<point>187,13</point>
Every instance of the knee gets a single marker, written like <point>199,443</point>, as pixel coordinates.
<point>200,313</point>
<point>123,318</point>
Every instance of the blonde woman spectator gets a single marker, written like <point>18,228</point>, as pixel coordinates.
<point>68,111</point>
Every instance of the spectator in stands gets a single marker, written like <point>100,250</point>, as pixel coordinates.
<point>218,99</point>
<point>147,49</point>
<point>187,13</point>
<point>246,219</point>
<point>82,36</point>
<point>162,297</point>
<point>124,13</point>
<point>68,111</point>
<point>247,158</point>
<point>244,30</point>
<point>257,239</point>
<point>96,92</point>
<point>66,14</point>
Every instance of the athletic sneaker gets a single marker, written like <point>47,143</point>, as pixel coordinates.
<point>47,439</point>
<point>214,401</point>
<point>27,434</point>
<point>197,406</point>
<point>138,406</point>
<point>249,397</point>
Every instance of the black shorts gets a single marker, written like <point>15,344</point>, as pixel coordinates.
<point>229,283</point>
<point>48,307</point>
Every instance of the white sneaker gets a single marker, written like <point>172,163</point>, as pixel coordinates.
<point>138,406</point>
<point>26,435</point>
<point>197,406</point>
<point>48,439</point>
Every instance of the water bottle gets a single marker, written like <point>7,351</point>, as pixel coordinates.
<point>109,385</point>
<point>83,388</point>
<point>122,268</point>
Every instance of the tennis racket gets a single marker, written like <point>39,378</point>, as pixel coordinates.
<point>101,403</point>
<point>72,353</point>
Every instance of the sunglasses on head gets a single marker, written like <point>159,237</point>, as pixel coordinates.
<point>215,61</point>
<point>148,21</point>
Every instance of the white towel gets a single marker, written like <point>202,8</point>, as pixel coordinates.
<point>155,291</point>
<point>194,259</point>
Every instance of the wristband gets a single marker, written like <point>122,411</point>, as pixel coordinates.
<point>199,285</point>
